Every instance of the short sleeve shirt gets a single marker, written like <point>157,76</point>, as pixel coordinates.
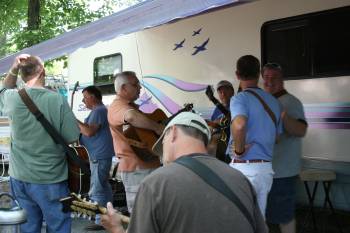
<point>100,146</point>
<point>261,130</point>
<point>287,152</point>
<point>174,199</point>
<point>35,157</point>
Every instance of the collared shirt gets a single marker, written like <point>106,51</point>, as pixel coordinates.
<point>260,129</point>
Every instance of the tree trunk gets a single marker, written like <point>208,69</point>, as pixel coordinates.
<point>33,14</point>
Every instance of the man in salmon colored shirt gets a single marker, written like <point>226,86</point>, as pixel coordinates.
<point>121,114</point>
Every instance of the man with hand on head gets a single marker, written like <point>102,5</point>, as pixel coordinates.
<point>38,166</point>
<point>174,198</point>
<point>287,153</point>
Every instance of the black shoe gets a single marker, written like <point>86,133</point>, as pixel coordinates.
<point>94,227</point>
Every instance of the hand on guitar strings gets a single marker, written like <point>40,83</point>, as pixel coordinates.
<point>111,221</point>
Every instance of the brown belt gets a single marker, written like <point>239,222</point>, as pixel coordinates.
<point>250,161</point>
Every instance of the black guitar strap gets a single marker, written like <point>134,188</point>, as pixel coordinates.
<point>209,177</point>
<point>58,139</point>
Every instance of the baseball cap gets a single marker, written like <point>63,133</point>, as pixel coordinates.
<point>187,119</point>
<point>224,83</point>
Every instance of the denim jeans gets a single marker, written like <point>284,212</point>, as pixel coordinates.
<point>42,201</point>
<point>100,189</point>
<point>132,181</point>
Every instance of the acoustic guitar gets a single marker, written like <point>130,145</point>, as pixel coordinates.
<point>142,140</point>
<point>78,181</point>
<point>82,207</point>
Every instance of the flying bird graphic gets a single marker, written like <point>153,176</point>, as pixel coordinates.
<point>197,32</point>
<point>179,45</point>
<point>200,48</point>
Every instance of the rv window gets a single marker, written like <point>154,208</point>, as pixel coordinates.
<point>104,69</point>
<point>309,46</point>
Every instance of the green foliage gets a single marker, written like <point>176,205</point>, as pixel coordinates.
<point>56,17</point>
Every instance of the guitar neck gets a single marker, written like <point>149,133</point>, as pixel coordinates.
<point>74,203</point>
<point>123,218</point>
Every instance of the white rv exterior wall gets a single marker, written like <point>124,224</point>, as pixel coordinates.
<point>233,32</point>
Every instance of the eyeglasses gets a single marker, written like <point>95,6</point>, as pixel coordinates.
<point>134,84</point>
<point>273,66</point>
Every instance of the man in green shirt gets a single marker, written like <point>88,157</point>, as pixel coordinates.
<point>38,166</point>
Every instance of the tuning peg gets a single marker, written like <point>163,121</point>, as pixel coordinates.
<point>72,214</point>
<point>89,218</point>
<point>84,216</point>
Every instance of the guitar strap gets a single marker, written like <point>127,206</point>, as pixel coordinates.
<point>57,138</point>
<point>213,180</point>
<point>266,107</point>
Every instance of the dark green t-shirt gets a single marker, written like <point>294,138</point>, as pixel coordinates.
<point>173,199</point>
<point>34,156</point>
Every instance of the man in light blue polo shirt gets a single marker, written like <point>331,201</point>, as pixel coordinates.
<point>254,129</point>
<point>97,137</point>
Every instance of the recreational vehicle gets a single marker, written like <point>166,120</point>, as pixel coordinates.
<point>176,61</point>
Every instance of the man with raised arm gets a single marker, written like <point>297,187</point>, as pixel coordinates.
<point>38,166</point>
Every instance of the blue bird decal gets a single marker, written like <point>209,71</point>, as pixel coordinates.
<point>197,32</point>
<point>179,45</point>
<point>200,48</point>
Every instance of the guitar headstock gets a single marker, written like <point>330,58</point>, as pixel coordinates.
<point>210,92</point>
<point>81,206</point>
<point>75,87</point>
<point>187,107</point>
<point>86,208</point>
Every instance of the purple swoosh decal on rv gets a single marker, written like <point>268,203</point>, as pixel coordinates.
<point>168,103</point>
<point>182,85</point>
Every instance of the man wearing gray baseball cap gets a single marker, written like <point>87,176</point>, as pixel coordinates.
<point>179,198</point>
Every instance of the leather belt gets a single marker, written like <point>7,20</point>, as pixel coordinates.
<point>250,161</point>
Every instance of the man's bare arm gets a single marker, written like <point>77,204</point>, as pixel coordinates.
<point>11,77</point>
<point>238,129</point>
<point>139,120</point>
<point>293,126</point>
<point>88,130</point>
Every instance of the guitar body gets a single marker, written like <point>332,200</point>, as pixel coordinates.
<point>142,140</point>
<point>78,182</point>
